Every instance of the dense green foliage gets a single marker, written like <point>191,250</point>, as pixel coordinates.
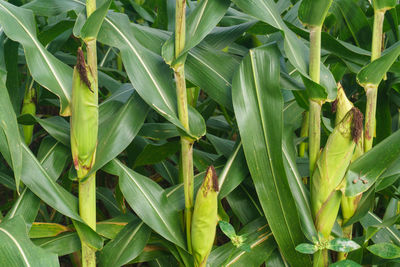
<point>234,90</point>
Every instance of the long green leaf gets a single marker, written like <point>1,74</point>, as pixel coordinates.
<point>313,12</point>
<point>258,105</point>
<point>363,172</point>
<point>19,25</point>
<point>296,51</point>
<point>147,72</point>
<point>373,73</point>
<point>199,23</point>
<point>126,246</point>
<point>8,122</point>
<point>148,201</point>
<point>18,250</point>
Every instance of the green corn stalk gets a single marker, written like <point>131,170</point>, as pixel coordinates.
<point>304,133</point>
<point>328,176</point>
<point>186,163</point>
<point>84,128</point>
<point>312,13</point>
<point>380,7</point>
<point>205,217</point>
<point>29,107</point>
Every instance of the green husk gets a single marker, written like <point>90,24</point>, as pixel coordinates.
<point>84,117</point>
<point>28,107</point>
<point>331,168</point>
<point>348,204</point>
<point>205,217</point>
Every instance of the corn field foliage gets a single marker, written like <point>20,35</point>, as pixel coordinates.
<point>220,133</point>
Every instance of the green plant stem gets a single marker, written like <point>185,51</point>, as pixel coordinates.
<point>370,119</point>
<point>87,188</point>
<point>87,210</point>
<point>314,133</point>
<point>304,133</point>
<point>315,106</point>
<point>186,143</point>
<point>376,47</point>
<point>372,91</point>
<point>321,258</point>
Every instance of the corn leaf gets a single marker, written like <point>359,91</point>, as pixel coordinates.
<point>384,4</point>
<point>373,73</point>
<point>258,105</point>
<point>26,206</point>
<point>199,23</point>
<point>313,12</point>
<point>126,246</point>
<point>260,240</point>
<point>18,250</point>
<point>363,172</point>
<point>148,201</point>
<point>19,25</point>
<point>93,24</point>
<point>147,72</point>
<point>295,49</point>
<point>61,245</point>
<point>9,125</point>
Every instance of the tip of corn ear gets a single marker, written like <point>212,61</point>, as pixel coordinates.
<point>212,174</point>
<point>81,67</point>
<point>357,125</point>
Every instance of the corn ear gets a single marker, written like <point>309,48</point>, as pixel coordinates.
<point>84,117</point>
<point>341,105</point>
<point>205,217</point>
<point>331,168</point>
<point>28,107</point>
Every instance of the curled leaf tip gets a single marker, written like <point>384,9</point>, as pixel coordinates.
<point>81,67</point>
<point>357,125</point>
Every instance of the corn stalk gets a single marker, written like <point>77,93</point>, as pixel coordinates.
<point>186,171</point>
<point>85,112</point>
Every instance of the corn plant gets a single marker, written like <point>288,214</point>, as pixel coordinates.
<point>199,133</point>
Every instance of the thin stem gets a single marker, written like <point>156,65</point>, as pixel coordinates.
<point>186,144</point>
<point>315,53</point>
<point>87,210</point>
<point>376,48</point>
<point>314,133</point>
<point>87,188</point>
<point>304,133</point>
<point>321,258</point>
<point>180,26</point>
<point>315,106</point>
<point>372,91</point>
<point>370,120</point>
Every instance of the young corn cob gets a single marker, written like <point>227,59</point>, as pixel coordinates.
<point>205,218</point>
<point>331,168</point>
<point>84,117</point>
<point>28,107</point>
<point>348,204</point>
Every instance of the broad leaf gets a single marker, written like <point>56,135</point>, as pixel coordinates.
<point>363,172</point>
<point>313,12</point>
<point>19,25</point>
<point>126,246</point>
<point>8,122</point>
<point>17,249</point>
<point>295,49</point>
<point>148,201</point>
<point>373,73</point>
<point>385,250</point>
<point>258,105</point>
